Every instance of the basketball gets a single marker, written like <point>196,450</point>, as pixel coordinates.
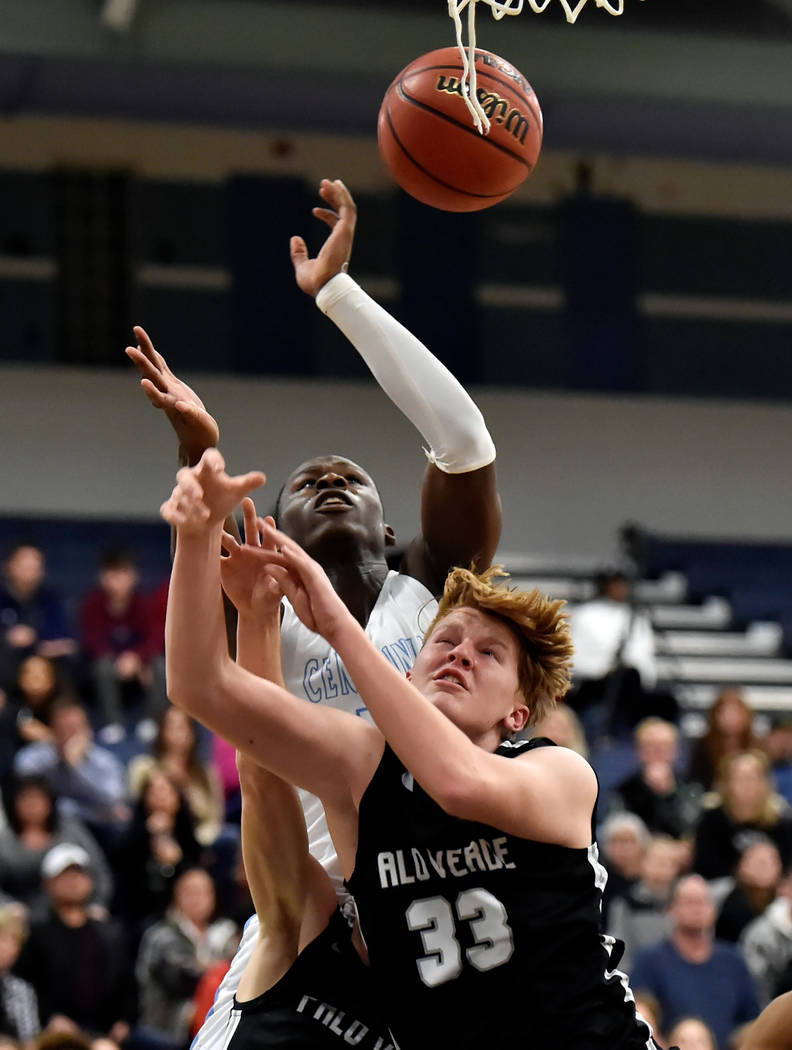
<point>431,146</point>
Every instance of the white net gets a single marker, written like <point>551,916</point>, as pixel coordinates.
<point>500,8</point>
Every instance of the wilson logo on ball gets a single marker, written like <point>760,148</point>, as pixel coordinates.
<point>496,108</point>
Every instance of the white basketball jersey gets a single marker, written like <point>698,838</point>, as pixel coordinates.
<point>313,670</point>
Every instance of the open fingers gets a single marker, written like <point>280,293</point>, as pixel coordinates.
<point>159,398</point>
<point>228,542</point>
<point>245,483</point>
<point>144,343</point>
<point>187,484</point>
<point>274,537</point>
<point>286,583</point>
<point>290,554</point>
<point>327,216</point>
<point>185,504</point>
<point>146,348</point>
<point>148,370</point>
<point>336,194</point>
<point>250,518</point>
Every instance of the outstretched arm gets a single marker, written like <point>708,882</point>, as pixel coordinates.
<point>330,753</point>
<point>194,427</point>
<point>292,895</point>
<point>460,507</point>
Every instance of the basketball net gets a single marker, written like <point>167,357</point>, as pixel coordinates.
<point>500,8</point>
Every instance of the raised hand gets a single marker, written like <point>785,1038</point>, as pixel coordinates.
<point>245,572</point>
<point>341,217</point>
<point>305,584</point>
<point>195,428</point>
<point>205,495</point>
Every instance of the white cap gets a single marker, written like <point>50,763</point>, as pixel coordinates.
<point>64,855</point>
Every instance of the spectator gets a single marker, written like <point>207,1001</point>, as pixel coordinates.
<point>62,1034</point>
<point>562,725</point>
<point>730,730</point>
<point>747,809</point>
<point>176,750</point>
<point>648,1007</point>
<point>31,616</point>
<point>640,917</point>
<point>34,827</point>
<point>77,961</point>
<point>766,944</point>
<point>9,741</point>
<point>117,642</point>
<point>210,981</point>
<point>692,974</point>
<point>157,846</point>
<point>778,745</point>
<point>174,954</point>
<point>691,1033</point>
<point>615,673</point>
<point>624,839</point>
<point>87,780</point>
<point>756,882</point>
<point>18,1005</point>
<point>654,792</point>
<point>38,685</point>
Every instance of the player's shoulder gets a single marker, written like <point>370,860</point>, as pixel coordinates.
<point>403,582</point>
<point>544,752</point>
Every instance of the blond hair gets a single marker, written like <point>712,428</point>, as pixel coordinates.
<point>654,722</point>
<point>539,623</point>
<point>12,921</point>
<point>770,808</point>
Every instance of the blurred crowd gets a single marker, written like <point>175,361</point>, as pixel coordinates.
<point>122,893</point>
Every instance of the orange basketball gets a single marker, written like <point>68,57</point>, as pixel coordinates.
<point>431,146</point>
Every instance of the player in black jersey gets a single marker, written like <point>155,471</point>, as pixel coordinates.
<point>305,984</point>
<point>472,859</point>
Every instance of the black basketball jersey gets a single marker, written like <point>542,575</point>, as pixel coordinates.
<point>482,939</point>
<point>326,1001</point>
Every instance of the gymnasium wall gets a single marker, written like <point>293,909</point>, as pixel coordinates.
<point>572,467</point>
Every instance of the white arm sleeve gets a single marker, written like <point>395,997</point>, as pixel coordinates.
<point>415,381</point>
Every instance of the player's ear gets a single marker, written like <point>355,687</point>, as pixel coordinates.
<point>518,719</point>
<point>390,537</point>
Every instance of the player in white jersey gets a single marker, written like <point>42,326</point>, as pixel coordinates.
<point>331,506</point>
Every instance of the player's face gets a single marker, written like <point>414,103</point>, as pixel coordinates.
<point>328,499</point>
<point>468,668</point>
